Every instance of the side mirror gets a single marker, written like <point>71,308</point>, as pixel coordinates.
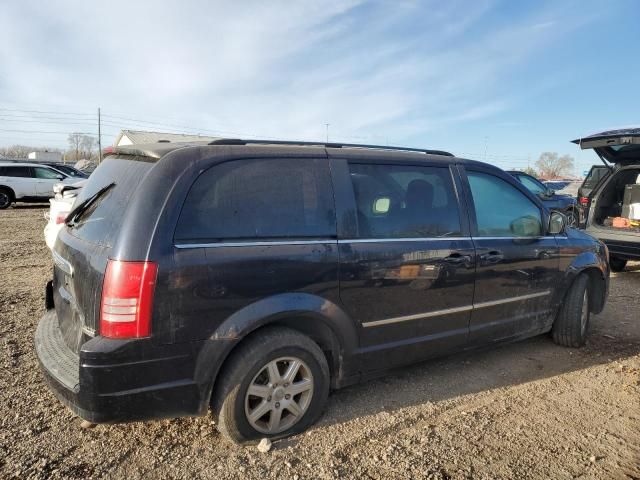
<point>60,177</point>
<point>557,223</point>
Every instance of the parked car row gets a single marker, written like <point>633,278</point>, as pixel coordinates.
<point>251,277</point>
<point>32,182</point>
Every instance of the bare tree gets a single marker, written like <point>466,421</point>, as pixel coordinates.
<point>88,145</point>
<point>22,151</point>
<point>550,165</point>
<point>80,146</point>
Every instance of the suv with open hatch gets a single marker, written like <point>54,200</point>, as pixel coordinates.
<point>254,276</point>
<point>612,209</point>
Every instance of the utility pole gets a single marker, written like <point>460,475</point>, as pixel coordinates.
<point>485,148</point>
<point>99,139</point>
<point>327,125</point>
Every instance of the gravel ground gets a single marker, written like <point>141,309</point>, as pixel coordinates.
<point>526,410</point>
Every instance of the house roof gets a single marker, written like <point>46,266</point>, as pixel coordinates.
<point>135,137</point>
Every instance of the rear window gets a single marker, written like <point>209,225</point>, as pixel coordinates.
<point>100,224</point>
<point>595,175</point>
<point>261,199</point>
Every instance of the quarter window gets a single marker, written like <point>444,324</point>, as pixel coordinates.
<point>501,209</point>
<point>259,199</point>
<point>397,201</point>
<point>24,172</point>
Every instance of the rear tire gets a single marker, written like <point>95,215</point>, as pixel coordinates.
<point>262,363</point>
<point>6,198</point>
<point>571,326</point>
<point>617,264</point>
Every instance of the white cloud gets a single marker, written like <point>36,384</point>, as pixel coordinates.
<point>381,70</point>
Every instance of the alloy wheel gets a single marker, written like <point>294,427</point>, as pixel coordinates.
<point>5,200</point>
<point>279,395</point>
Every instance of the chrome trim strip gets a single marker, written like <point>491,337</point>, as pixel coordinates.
<point>345,240</point>
<point>418,316</point>
<point>63,264</point>
<point>411,239</point>
<point>493,303</point>
<point>253,244</point>
<point>513,238</point>
<point>448,311</point>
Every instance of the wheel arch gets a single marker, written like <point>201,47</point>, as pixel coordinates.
<point>318,318</point>
<point>12,193</point>
<point>597,289</point>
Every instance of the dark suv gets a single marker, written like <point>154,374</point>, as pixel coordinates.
<point>553,201</point>
<point>253,277</point>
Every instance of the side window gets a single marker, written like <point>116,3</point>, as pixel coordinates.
<point>16,172</point>
<point>501,209</point>
<point>46,173</point>
<point>259,199</point>
<point>397,201</point>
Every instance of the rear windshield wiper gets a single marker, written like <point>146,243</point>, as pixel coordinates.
<point>77,212</point>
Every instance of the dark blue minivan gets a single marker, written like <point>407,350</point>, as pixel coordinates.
<point>251,277</point>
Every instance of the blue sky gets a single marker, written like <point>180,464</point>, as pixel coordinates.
<point>495,80</point>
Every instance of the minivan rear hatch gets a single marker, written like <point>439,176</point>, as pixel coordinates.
<point>615,146</point>
<point>84,245</point>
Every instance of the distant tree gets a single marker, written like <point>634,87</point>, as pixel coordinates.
<point>550,165</point>
<point>22,151</point>
<point>531,171</point>
<point>80,146</point>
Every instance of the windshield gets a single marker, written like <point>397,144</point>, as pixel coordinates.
<point>100,222</point>
<point>532,184</point>
<point>72,172</point>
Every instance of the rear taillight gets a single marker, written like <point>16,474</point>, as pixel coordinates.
<point>584,200</point>
<point>127,299</point>
<point>61,217</point>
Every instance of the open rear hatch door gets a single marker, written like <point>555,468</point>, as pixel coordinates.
<point>621,146</point>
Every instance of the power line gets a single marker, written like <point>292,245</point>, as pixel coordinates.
<point>42,111</point>
<point>92,134</point>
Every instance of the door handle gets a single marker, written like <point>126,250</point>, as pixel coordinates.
<point>457,259</point>
<point>492,257</point>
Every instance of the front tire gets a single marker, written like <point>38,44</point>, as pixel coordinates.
<point>6,198</point>
<point>617,264</point>
<point>275,385</point>
<point>571,326</point>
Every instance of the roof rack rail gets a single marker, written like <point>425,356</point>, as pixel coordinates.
<point>240,141</point>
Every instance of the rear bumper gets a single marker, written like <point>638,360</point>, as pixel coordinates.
<point>121,380</point>
<point>620,245</point>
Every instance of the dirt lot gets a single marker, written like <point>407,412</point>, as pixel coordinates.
<point>527,410</point>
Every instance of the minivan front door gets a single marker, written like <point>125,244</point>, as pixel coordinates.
<point>517,266</point>
<point>406,259</point>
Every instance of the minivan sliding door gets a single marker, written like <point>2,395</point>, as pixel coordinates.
<point>406,259</point>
